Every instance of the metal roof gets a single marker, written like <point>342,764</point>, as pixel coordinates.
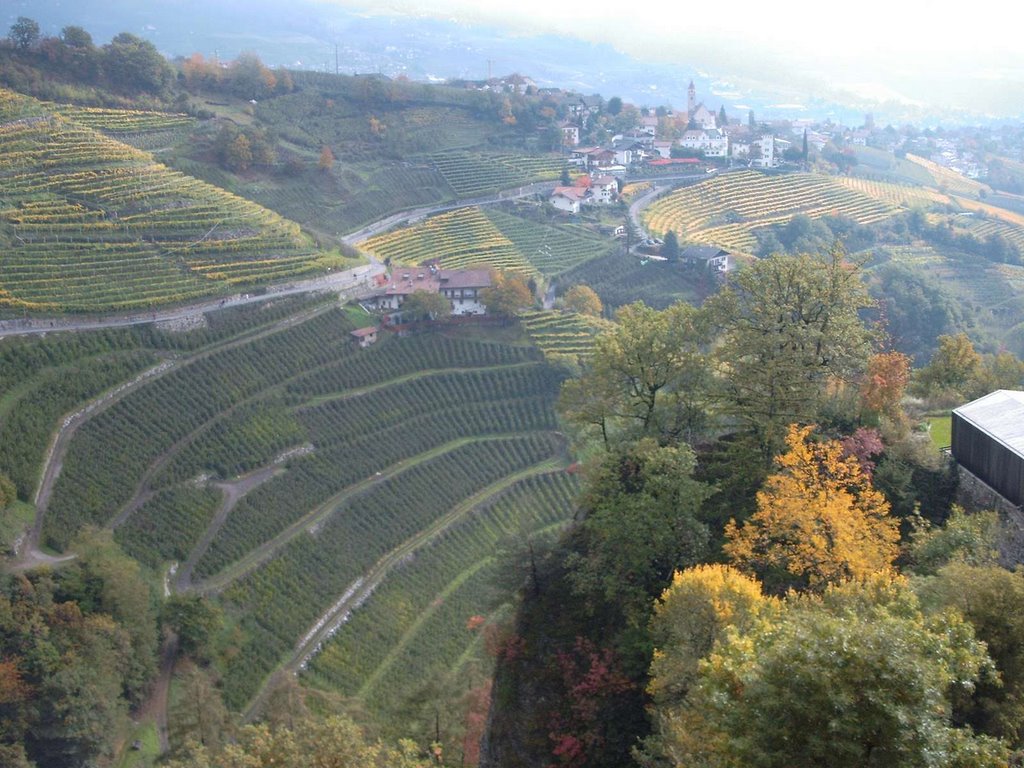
<point>1000,415</point>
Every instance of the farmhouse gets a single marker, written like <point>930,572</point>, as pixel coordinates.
<point>988,442</point>
<point>604,190</point>
<point>569,199</point>
<point>707,256</point>
<point>462,288</point>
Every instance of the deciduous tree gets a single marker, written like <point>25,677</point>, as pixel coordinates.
<point>326,161</point>
<point>818,521</point>
<point>425,305</point>
<point>648,375</point>
<point>789,325</point>
<point>641,505</point>
<point>860,676</point>
<point>507,294</point>
<point>582,299</point>
<point>24,33</point>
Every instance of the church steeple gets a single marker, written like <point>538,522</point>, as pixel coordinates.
<point>691,100</point>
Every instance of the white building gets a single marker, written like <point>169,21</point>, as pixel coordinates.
<point>712,142</point>
<point>604,190</point>
<point>569,199</point>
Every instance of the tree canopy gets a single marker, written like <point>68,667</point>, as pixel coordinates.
<point>859,676</point>
<point>818,521</point>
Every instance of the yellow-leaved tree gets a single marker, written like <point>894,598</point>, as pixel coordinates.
<point>819,521</point>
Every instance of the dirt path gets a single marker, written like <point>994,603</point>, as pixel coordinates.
<point>361,589</point>
<point>233,492</point>
<point>315,517</point>
<point>155,706</point>
<point>53,461</point>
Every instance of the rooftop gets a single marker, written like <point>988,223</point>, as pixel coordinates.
<point>1000,415</point>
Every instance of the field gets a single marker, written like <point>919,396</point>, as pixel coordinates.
<point>470,236</point>
<point>618,279</point>
<point>562,333</point>
<point>948,180</point>
<point>474,174</point>
<point>423,623</point>
<point>725,210</point>
<point>277,465</point>
<point>88,223</point>
<point>551,249</point>
<point>903,195</point>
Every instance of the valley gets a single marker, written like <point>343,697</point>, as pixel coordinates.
<point>331,506</point>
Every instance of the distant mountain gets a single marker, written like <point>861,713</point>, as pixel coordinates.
<point>304,35</point>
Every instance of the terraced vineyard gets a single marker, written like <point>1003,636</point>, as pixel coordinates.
<point>562,333</point>
<point>551,250</point>
<point>619,279</point>
<point>950,180</point>
<point>985,228</point>
<point>473,174</point>
<point>333,459</point>
<point>88,223</point>
<point>904,195</point>
<point>431,613</point>
<point>470,237</point>
<point>458,239</point>
<point>725,210</point>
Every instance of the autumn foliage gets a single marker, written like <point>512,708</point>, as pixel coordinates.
<point>819,521</point>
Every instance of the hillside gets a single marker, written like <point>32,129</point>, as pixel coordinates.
<point>90,223</point>
<point>726,210</point>
<point>270,459</point>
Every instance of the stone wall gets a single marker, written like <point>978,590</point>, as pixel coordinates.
<point>975,495</point>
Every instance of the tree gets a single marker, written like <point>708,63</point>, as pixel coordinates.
<point>425,305</point>
<point>692,616</point>
<point>991,598</point>
<point>790,326</point>
<point>860,676</point>
<point>882,387</point>
<point>506,295</point>
<point>238,156</point>
<point>818,521</point>
<point>614,106</point>
<point>8,492</point>
<point>582,299</point>
<point>133,64</point>
<point>670,250</point>
<point>641,505</point>
<point>195,620</point>
<point>952,368</point>
<point>966,539</point>
<point>248,78</point>
<point>751,123</point>
<point>76,37</point>
<point>326,161</point>
<point>24,33</point>
<point>723,119</point>
<point>647,376</point>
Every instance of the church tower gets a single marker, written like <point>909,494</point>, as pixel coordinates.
<point>691,100</point>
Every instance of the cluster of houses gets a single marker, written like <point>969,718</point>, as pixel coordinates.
<point>705,132</point>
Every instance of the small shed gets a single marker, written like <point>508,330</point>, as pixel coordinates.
<point>988,441</point>
<point>365,336</point>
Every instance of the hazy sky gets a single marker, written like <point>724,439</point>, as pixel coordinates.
<point>906,48</point>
